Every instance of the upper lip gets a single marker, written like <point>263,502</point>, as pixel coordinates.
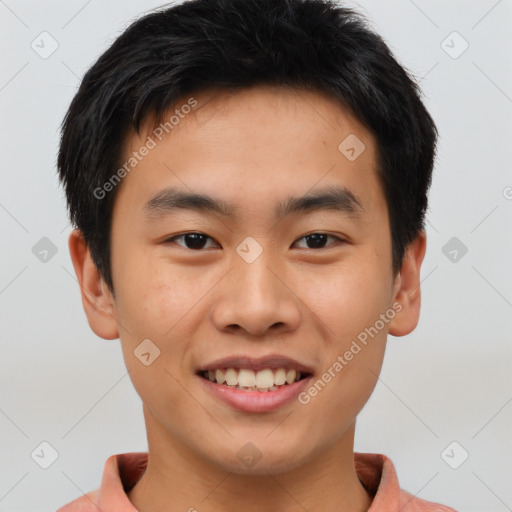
<point>273,361</point>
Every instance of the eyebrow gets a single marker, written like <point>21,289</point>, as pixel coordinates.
<point>334,198</point>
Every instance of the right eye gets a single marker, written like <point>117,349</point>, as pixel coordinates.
<point>192,240</point>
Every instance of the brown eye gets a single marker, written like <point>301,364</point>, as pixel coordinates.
<point>193,241</point>
<point>318,240</point>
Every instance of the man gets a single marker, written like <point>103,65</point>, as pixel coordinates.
<point>248,180</point>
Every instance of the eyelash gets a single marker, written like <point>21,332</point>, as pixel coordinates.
<point>173,238</point>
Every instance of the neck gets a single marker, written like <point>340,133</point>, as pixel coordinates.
<point>178,479</point>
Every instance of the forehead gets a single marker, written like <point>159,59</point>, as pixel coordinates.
<point>274,142</point>
<point>287,106</point>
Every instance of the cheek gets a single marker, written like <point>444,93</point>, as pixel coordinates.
<point>359,313</point>
<point>348,298</point>
<point>162,307</point>
<point>153,308</point>
<point>150,299</point>
<point>351,368</point>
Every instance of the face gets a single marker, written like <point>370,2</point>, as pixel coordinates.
<point>286,265</point>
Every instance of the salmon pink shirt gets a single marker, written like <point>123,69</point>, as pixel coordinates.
<point>375,471</point>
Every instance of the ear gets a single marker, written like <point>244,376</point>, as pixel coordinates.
<point>97,299</point>
<point>407,288</point>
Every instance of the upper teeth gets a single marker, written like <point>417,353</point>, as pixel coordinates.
<point>263,379</point>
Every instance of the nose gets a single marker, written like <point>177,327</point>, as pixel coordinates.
<point>258,298</point>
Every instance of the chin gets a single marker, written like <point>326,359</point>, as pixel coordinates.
<point>259,458</point>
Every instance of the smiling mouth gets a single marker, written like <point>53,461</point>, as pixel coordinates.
<point>269,379</point>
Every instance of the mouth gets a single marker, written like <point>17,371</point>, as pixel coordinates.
<point>255,385</point>
<point>246,379</point>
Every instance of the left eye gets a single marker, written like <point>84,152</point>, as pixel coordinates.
<point>318,239</point>
<point>196,241</point>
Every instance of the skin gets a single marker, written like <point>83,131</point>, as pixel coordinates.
<point>252,148</point>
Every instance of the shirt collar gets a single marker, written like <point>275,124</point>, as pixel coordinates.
<point>122,471</point>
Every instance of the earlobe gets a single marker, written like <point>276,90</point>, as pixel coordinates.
<point>97,299</point>
<point>407,288</point>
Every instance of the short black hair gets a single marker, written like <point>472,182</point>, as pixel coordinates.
<point>232,44</point>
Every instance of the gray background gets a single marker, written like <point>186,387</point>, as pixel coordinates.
<point>450,380</point>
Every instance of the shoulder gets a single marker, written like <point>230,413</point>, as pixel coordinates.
<point>410,503</point>
<point>86,503</point>
<point>120,472</point>
<point>378,475</point>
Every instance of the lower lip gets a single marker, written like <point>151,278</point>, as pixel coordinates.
<point>256,401</point>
